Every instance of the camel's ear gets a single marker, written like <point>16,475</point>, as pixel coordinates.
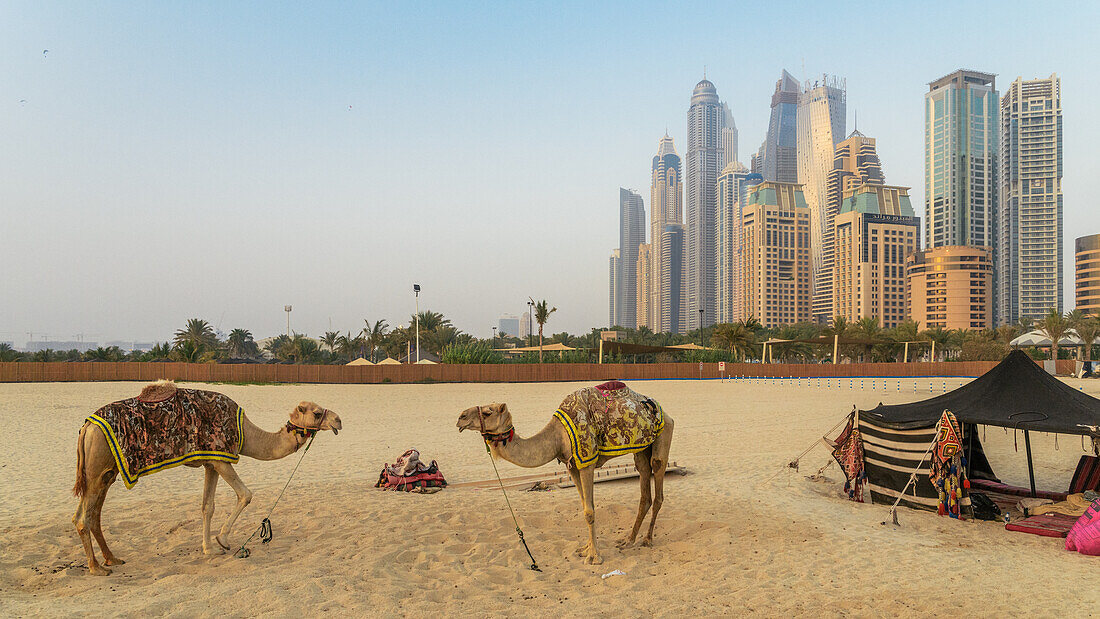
<point>499,407</point>
<point>301,407</point>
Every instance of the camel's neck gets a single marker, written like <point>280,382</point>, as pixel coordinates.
<point>263,445</point>
<point>534,451</point>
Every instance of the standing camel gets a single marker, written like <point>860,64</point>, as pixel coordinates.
<point>592,426</point>
<point>154,428</point>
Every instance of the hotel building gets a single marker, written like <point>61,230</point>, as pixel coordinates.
<point>776,254</point>
<point>950,287</point>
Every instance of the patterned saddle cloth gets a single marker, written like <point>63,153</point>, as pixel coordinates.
<point>189,426</point>
<point>609,420</point>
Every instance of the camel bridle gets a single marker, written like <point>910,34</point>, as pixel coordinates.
<point>306,432</point>
<point>501,438</point>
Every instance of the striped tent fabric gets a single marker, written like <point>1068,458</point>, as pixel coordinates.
<point>889,458</point>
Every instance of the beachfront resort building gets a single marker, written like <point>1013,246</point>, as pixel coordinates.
<point>733,188</point>
<point>821,120</point>
<point>665,209</point>
<point>777,158</point>
<point>631,235</point>
<point>642,267</point>
<point>776,254</point>
<point>875,232</point>
<point>1086,267</point>
<point>1029,215</point>
<point>855,163</point>
<point>704,161</point>
<point>950,287</point>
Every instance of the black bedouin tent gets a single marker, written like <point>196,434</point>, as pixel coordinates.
<point>1016,394</point>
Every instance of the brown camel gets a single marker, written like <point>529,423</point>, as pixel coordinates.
<point>554,442</point>
<point>96,470</point>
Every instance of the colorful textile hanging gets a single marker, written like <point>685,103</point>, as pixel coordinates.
<point>948,470</point>
<point>848,453</point>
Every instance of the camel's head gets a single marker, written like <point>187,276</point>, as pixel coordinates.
<point>313,417</point>
<point>494,418</point>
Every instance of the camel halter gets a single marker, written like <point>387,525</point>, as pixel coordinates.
<point>307,432</point>
<point>494,438</point>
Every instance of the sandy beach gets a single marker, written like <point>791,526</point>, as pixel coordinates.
<point>730,538</point>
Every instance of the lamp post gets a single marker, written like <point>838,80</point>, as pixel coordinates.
<point>530,314</point>
<point>416,293</point>
<point>287,308</point>
<point>701,328</point>
<point>494,337</point>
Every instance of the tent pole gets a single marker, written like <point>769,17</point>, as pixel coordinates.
<point>1030,467</point>
<point>905,359</point>
<point>836,338</point>
<point>601,350</point>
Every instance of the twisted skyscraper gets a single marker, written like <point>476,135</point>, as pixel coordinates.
<point>704,160</point>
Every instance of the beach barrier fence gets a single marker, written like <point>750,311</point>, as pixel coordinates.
<point>34,372</point>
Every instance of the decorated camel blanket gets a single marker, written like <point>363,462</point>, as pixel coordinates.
<point>609,420</point>
<point>180,426</point>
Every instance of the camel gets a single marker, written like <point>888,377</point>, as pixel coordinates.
<point>554,442</point>
<point>96,470</point>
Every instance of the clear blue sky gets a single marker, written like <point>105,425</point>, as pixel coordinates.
<point>220,160</point>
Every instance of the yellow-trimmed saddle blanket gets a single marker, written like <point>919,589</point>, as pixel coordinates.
<point>190,425</point>
<point>609,420</point>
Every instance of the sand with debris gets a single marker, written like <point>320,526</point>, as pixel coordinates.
<point>733,537</point>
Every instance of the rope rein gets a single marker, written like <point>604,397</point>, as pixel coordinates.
<point>519,531</point>
<point>264,530</point>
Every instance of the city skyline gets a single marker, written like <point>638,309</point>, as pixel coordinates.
<point>260,142</point>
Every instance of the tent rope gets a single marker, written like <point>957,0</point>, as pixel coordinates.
<point>793,464</point>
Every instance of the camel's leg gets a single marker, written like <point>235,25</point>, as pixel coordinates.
<point>587,475</point>
<point>96,514</point>
<point>661,448</point>
<point>582,551</point>
<point>244,497</point>
<point>96,461</point>
<point>210,484</point>
<point>642,463</point>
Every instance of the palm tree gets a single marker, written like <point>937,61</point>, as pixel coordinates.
<point>188,351</point>
<point>199,333</point>
<point>160,352</point>
<point>938,336</point>
<point>329,340</point>
<point>7,353</point>
<point>240,344</point>
<point>429,321</point>
<point>542,315</point>
<point>347,344</point>
<point>374,335</point>
<point>1088,329</point>
<point>1054,327</point>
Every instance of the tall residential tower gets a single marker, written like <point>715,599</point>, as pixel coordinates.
<point>777,159</point>
<point>666,240</point>
<point>704,156</point>
<point>631,235</point>
<point>1029,217</point>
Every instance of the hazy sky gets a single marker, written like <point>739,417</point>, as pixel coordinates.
<point>220,160</point>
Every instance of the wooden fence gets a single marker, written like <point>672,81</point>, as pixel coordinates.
<point>33,372</point>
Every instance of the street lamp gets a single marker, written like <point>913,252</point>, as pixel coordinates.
<point>530,329</point>
<point>287,308</point>
<point>494,337</point>
<point>701,328</point>
<point>416,293</point>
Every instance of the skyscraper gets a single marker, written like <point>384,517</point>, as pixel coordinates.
<point>822,116</point>
<point>644,267</point>
<point>1086,269</point>
<point>703,157</point>
<point>855,163</point>
<point>777,159</point>
<point>1029,216</point>
<point>672,272</point>
<point>631,235</point>
<point>875,232</point>
<point>666,208</point>
<point>729,137</point>
<point>614,297</point>
<point>960,160</point>
<point>776,253</point>
<point>733,186</point>
<point>950,287</point>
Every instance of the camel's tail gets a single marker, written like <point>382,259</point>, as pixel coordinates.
<point>78,488</point>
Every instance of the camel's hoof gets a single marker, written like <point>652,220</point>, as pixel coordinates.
<point>113,561</point>
<point>647,542</point>
<point>582,551</point>
<point>593,559</point>
<point>97,570</point>
<point>214,550</point>
<point>218,538</point>
<point>624,543</point>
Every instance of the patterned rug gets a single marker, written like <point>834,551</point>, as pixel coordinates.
<point>609,419</point>
<point>1047,525</point>
<point>188,426</point>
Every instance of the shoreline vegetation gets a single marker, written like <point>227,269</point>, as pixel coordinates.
<point>742,341</point>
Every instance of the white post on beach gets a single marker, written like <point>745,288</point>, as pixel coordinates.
<point>905,359</point>
<point>416,293</point>
<point>836,339</point>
